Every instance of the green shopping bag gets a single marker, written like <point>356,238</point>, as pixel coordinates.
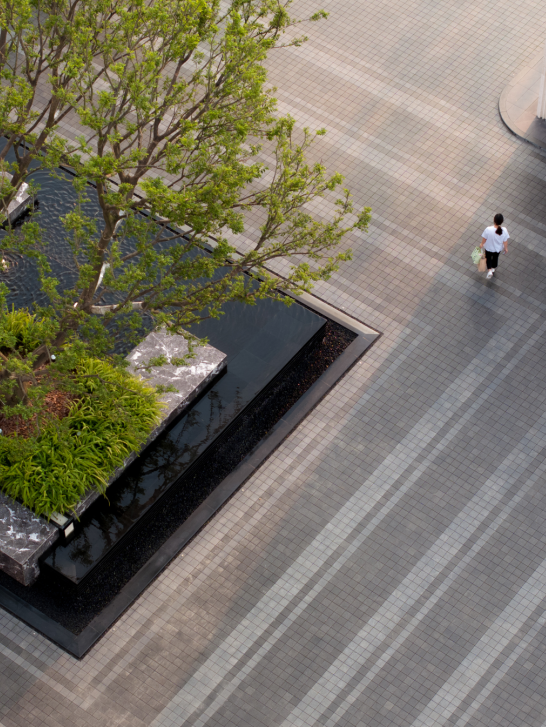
<point>476,255</point>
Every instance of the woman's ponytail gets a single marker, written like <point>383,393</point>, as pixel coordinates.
<point>499,219</point>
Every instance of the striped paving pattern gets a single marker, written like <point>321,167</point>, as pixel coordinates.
<point>387,566</point>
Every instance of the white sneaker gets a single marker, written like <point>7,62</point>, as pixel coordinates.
<point>489,274</point>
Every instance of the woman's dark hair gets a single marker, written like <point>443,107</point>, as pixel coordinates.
<point>499,219</point>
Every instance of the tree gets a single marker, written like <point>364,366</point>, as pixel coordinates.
<point>45,46</point>
<point>172,101</point>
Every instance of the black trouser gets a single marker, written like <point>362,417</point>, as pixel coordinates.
<point>492,259</point>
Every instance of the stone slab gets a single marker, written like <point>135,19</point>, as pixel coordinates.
<point>189,382</point>
<point>18,205</point>
<point>24,537</point>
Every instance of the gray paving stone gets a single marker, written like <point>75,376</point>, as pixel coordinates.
<point>386,566</point>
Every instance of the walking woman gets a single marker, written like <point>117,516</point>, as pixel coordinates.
<point>494,239</point>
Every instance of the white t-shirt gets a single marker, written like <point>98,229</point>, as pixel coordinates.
<point>494,242</point>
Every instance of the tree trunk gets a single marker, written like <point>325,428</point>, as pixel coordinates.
<point>23,164</point>
<point>42,352</point>
<point>19,393</point>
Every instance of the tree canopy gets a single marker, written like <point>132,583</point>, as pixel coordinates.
<point>174,112</point>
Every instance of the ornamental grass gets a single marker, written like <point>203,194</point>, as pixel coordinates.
<point>110,416</point>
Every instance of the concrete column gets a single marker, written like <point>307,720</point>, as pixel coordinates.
<point>541,108</point>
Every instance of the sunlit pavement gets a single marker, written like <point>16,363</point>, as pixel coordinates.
<point>387,566</point>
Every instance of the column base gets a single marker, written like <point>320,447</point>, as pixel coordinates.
<point>518,104</point>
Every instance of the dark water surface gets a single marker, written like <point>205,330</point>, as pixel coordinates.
<point>259,342</point>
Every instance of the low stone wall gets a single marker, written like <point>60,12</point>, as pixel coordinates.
<point>24,537</point>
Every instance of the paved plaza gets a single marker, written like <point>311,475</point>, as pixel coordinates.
<point>387,565</point>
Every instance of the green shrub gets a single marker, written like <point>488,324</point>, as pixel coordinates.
<point>22,331</point>
<point>112,416</point>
